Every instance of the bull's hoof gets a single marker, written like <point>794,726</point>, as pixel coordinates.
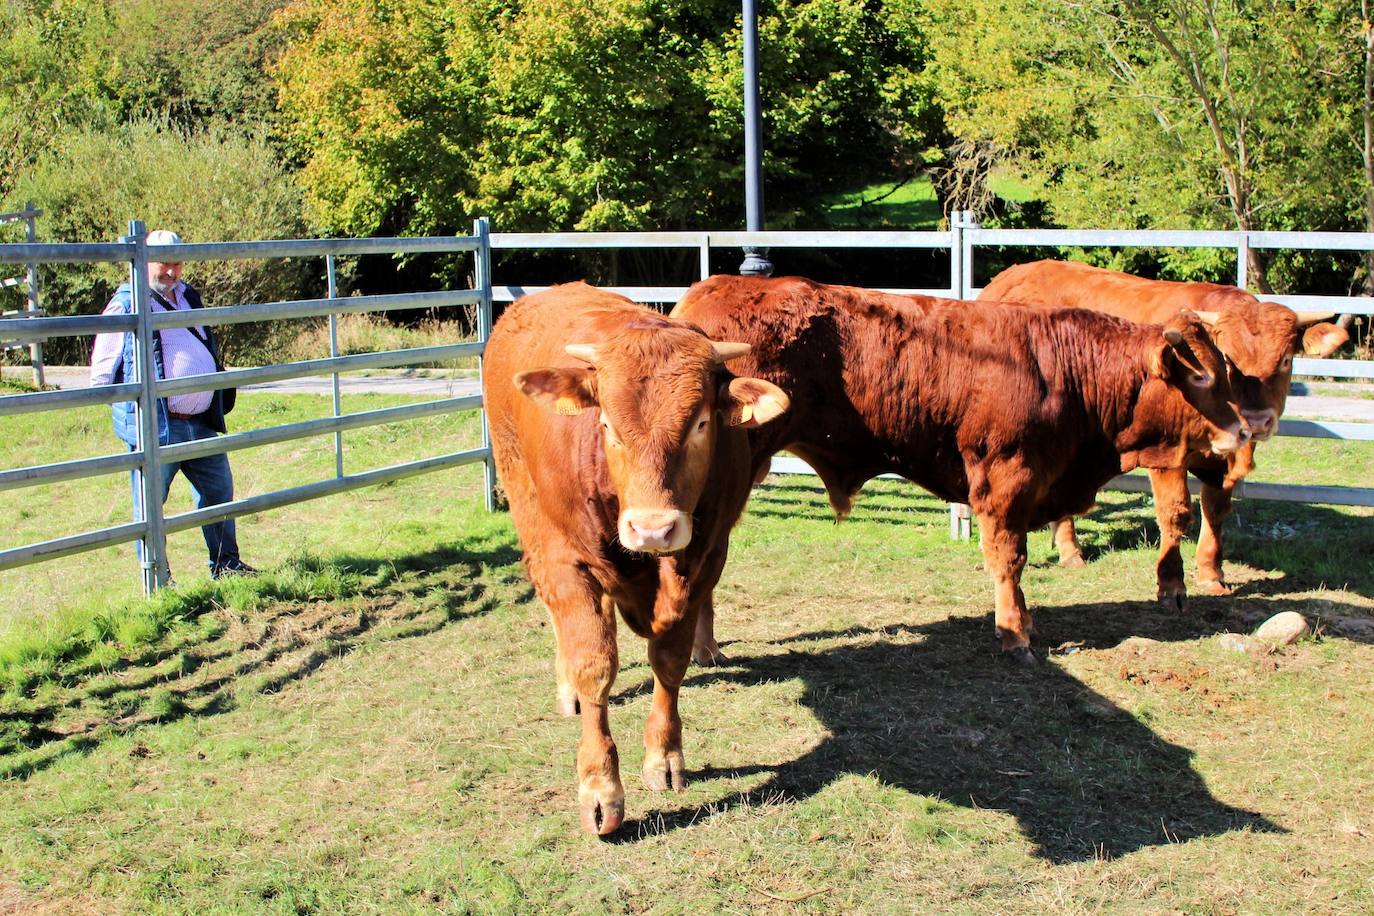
<point>1073,561</point>
<point>664,770</point>
<point>603,811</point>
<point>1020,655</point>
<point>1213,587</point>
<point>1174,602</point>
<point>708,656</point>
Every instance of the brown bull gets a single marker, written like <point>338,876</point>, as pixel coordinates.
<point>620,441</point>
<point>1259,340</point>
<point>1023,413</point>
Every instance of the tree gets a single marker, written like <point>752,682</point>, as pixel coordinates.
<point>1163,113</point>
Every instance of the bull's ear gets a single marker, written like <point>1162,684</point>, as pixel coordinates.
<point>563,391</point>
<point>752,402</point>
<point>1183,346</point>
<point>1322,339</point>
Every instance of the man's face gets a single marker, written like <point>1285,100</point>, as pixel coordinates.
<point>162,277</point>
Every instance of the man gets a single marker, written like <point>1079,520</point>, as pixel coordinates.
<point>180,418</point>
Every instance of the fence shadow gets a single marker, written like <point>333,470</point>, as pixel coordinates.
<point>208,671</point>
<point>944,717</point>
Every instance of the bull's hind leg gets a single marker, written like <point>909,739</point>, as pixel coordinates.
<point>1004,554</point>
<point>1216,506</point>
<point>1174,511</point>
<point>1066,543</point>
<point>705,649</point>
<point>669,654</point>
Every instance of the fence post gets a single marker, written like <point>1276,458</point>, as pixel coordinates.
<point>481,228</point>
<point>1243,260</point>
<point>333,292</point>
<point>705,253</point>
<point>34,310</point>
<point>960,282</point>
<point>152,549</point>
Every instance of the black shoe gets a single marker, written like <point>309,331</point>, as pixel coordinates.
<point>232,567</point>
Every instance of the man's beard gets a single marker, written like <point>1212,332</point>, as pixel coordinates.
<point>162,288</point>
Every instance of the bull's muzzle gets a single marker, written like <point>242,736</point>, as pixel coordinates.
<point>1262,423</point>
<point>655,530</point>
<point>1228,440</point>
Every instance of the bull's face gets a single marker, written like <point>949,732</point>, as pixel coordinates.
<point>662,396</point>
<point>1189,361</point>
<point>1259,345</point>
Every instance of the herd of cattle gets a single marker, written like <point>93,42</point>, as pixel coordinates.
<point>627,442</point>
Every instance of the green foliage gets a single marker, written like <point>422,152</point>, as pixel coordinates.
<point>207,185</point>
<point>615,114</point>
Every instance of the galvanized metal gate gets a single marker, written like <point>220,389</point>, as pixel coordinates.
<point>146,462</point>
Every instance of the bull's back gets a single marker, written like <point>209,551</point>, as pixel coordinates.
<point>1076,285</point>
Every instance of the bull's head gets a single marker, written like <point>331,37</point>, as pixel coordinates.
<point>1188,360</point>
<point>1259,344</point>
<point>664,395</point>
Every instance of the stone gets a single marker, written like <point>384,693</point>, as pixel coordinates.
<point>1284,628</point>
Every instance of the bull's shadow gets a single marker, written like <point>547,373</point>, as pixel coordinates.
<point>945,717</point>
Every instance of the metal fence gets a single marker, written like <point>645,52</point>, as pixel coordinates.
<point>146,462</point>
<point>29,281</point>
<point>962,240</point>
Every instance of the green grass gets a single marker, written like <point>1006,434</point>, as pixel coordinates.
<point>370,727</point>
<point>911,204</point>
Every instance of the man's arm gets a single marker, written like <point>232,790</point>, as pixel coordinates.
<point>109,349</point>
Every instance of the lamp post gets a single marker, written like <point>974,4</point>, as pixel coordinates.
<point>756,261</point>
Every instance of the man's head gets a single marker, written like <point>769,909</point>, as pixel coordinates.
<point>163,275</point>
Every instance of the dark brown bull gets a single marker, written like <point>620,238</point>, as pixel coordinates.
<point>1023,413</point>
<point>1259,340</point>
<point>620,441</point>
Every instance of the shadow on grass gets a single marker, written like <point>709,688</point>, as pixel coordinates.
<point>261,651</point>
<point>944,717</point>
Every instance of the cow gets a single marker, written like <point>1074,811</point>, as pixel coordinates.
<point>1259,340</point>
<point>620,440</point>
<point>1022,413</point>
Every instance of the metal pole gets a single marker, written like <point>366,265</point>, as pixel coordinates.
<point>1243,260</point>
<point>333,353</point>
<point>482,282</point>
<point>756,261</point>
<point>148,477</point>
<point>35,348</point>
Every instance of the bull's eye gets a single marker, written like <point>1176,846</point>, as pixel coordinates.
<point>1200,379</point>
<point>701,425</point>
<point>1287,361</point>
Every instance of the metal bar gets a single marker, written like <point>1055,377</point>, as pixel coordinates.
<point>1336,368</point>
<point>307,308</point>
<point>66,326</point>
<point>232,378</point>
<point>76,543</point>
<point>1106,238</point>
<point>1243,261</point>
<point>67,470</point>
<point>1330,496</point>
<point>1354,305</point>
<point>1320,429</point>
<point>198,448</point>
<point>1314,241</point>
<point>634,293</point>
<point>35,308</point>
<point>481,280</point>
<point>279,498</point>
<point>68,397</point>
<point>148,476</point>
<point>333,291</point>
<point>30,213</point>
<point>64,252</point>
<point>304,248</point>
<point>776,239</point>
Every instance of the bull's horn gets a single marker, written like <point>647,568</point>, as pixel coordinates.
<point>728,350</point>
<point>1208,318</point>
<point>1312,317</point>
<point>584,352</point>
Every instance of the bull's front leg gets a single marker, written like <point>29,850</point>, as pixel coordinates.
<point>1004,554</point>
<point>1174,511</point>
<point>669,655</point>
<point>565,691</point>
<point>1066,543</point>
<point>1216,506</point>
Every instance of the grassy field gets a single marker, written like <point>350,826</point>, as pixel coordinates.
<point>370,727</point>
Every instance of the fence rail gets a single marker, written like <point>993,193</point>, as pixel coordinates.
<point>147,462</point>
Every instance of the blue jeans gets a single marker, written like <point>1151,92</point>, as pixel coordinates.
<point>211,482</point>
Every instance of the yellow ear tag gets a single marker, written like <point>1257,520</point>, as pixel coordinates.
<point>566,406</point>
<point>746,413</point>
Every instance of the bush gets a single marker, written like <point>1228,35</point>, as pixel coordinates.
<point>210,185</point>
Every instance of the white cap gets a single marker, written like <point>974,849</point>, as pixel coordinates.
<point>163,237</point>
